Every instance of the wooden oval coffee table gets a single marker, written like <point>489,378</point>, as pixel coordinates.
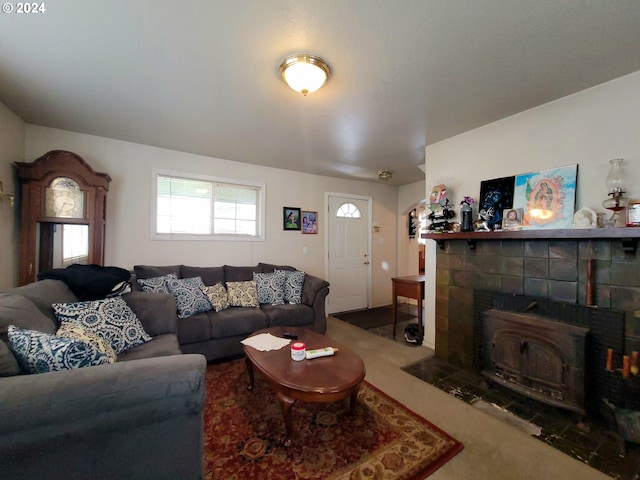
<point>325,379</point>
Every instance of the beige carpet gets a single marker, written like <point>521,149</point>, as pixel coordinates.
<point>492,449</point>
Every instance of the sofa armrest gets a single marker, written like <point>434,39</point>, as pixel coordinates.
<point>314,293</point>
<point>312,286</point>
<point>138,419</point>
<point>122,396</point>
<point>157,311</point>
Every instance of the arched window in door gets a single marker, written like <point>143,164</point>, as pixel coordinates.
<point>348,210</point>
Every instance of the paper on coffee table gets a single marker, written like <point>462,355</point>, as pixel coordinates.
<point>265,342</point>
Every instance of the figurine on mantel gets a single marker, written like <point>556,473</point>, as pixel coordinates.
<point>585,218</point>
<point>485,216</point>
<point>441,209</point>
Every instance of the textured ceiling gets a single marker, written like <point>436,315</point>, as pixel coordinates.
<point>202,76</point>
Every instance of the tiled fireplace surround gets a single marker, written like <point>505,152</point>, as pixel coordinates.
<point>541,268</point>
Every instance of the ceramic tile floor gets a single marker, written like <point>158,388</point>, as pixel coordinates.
<point>586,442</point>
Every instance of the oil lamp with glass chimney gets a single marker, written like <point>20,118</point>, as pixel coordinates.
<point>616,188</point>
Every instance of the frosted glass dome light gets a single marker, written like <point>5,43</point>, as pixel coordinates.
<point>304,73</point>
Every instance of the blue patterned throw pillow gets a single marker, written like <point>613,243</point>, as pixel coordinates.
<point>39,352</point>
<point>190,298</point>
<point>110,319</point>
<point>270,287</point>
<point>78,332</point>
<point>157,284</point>
<point>293,286</point>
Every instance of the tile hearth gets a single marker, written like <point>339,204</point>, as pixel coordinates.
<point>561,429</point>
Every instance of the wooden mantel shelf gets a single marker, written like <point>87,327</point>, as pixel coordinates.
<point>629,236</point>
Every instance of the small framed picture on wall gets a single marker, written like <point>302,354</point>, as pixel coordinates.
<point>309,222</point>
<point>291,218</point>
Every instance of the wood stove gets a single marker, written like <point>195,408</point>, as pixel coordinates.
<point>536,356</point>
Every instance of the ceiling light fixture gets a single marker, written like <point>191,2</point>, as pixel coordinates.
<point>304,73</point>
<point>385,175</point>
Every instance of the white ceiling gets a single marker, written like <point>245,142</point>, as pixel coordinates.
<point>202,76</point>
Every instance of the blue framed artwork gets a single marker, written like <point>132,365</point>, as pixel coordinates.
<point>496,195</point>
<point>547,197</point>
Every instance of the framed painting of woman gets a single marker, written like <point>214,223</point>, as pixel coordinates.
<point>291,218</point>
<point>547,197</point>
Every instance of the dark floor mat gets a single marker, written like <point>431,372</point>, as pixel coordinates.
<point>377,317</point>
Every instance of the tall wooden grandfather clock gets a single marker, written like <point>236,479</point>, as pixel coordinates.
<point>58,189</point>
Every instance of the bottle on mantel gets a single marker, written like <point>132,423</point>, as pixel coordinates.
<point>466,218</point>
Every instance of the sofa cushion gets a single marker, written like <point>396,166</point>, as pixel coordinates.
<point>217,296</point>
<point>78,332</point>
<point>8,363</point>
<point>44,293</point>
<point>190,298</point>
<point>157,312</point>
<point>196,328</point>
<point>270,287</point>
<point>242,294</point>
<point>209,275</point>
<point>293,286</point>
<point>111,319</point>
<point>237,321</point>
<point>148,271</point>
<point>39,352</point>
<point>160,346</point>
<point>240,274</point>
<point>22,312</point>
<point>269,267</point>
<point>156,284</point>
<point>290,315</point>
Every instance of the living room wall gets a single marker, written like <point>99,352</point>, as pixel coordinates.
<point>409,197</point>
<point>12,135</point>
<point>128,208</point>
<point>587,128</point>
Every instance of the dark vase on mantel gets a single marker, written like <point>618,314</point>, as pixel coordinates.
<point>466,218</point>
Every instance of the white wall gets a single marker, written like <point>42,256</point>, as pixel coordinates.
<point>128,211</point>
<point>588,128</point>
<point>12,135</point>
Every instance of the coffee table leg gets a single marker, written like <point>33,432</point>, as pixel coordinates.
<point>285,405</point>
<point>250,372</point>
<point>353,399</point>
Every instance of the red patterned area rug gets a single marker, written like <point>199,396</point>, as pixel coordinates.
<point>244,433</point>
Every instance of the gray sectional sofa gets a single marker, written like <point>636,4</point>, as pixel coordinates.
<point>218,334</point>
<point>141,417</point>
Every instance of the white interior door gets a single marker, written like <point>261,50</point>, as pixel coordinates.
<point>348,253</point>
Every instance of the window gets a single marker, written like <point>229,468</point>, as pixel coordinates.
<point>348,210</point>
<point>197,207</point>
<point>75,244</point>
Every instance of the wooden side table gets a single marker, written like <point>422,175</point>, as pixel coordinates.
<point>410,287</point>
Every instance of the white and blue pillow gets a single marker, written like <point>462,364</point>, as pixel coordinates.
<point>39,352</point>
<point>157,284</point>
<point>270,287</point>
<point>293,286</point>
<point>78,332</point>
<point>110,319</point>
<point>190,298</point>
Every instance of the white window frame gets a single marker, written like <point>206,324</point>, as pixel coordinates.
<point>261,210</point>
